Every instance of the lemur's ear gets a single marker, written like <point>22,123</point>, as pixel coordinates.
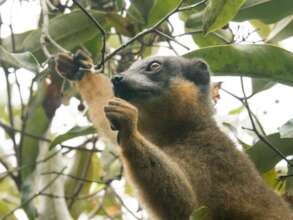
<point>197,71</point>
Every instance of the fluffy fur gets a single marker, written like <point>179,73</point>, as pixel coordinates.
<point>172,149</point>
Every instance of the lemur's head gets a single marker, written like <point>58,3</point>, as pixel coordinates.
<point>153,77</point>
<point>163,83</point>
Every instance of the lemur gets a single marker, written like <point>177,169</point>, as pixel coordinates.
<point>173,152</point>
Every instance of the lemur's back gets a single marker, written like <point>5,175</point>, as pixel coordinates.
<point>226,181</point>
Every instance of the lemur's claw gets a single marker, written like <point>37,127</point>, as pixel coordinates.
<point>73,67</point>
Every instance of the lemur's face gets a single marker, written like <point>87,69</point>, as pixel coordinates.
<point>151,78</point>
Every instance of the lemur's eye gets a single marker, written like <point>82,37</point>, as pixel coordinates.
<point>154,66</point>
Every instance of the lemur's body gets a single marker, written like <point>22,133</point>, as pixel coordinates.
<point>172,149</point>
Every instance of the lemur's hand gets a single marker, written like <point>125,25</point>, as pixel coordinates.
<point>123,117</point>
<point>73,67</point>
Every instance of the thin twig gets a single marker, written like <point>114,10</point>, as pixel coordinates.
<point>7,167</point>
<point>172,48</point>
<point>189,33</point>
<point>189,7</point>
<point>81,148</point>
<point>51,5</point>
<point>123,204</point>
<point>283,177</point>
<point>12,38</point>
<point>106,184</point>
<point>5,164</point>
<point>10,113</point>
<point>241,99</point>
<point>45,35</point>
<point>101,29</point>
<point>9,129</point>
<point>35,195</point>
<point>45,29</point>
<point>25,117</point>
<point>43,160</point>
<point>99,207</point>
<point>171,38</point>
<point>261,137</point>
<point>85,180</point>
<point>141,34</point>
<point>83,175</point>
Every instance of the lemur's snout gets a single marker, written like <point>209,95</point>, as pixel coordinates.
<point>116,79</point>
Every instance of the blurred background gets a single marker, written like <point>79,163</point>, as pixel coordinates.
<point>54,166</point>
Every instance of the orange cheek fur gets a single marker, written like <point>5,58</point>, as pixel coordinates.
<point>186,96</point>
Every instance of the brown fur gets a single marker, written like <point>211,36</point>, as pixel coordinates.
<point>179,159</point>
<point>96,98</point>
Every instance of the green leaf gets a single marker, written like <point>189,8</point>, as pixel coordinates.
<point>39,111</point>
<point>49,207</point>
<point>68,30</point>
<point>281,30</point>
<point>74,132</point>
<point>263,30</point>
<point>289,182</point>
<point>267,11</point>
<point>219,37</point>
<point>18,41</point>
<point>270,178</point>
<point>18,60</point>
<point>199,213</point>
<point>186,14</point>
<point>219,12</point>
<point>252,3</point>
<point>257,61</point>
<point>94,47</point>
<point>112,205</point>
<point>286,131</point>
<point>143,7</point>
<point>195,21</point>
<point>259,85</point>
<point>86,165</point>
<point>36,124</point>
<point>121,24</point>
<point>134,14</point>
<point>264,157</point>
<point>237,110</point>
<point>160,9</point>
<point>5,208</point>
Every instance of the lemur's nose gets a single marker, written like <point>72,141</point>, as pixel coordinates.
<point>116,79</point>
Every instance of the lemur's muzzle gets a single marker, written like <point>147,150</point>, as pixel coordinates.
<point>133,86</point>
<point>116,79</point>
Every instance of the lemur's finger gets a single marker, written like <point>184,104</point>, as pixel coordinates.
<point>112,108</point>
<point>84,64</point>
<point>117,104</point>
<point>120,102</point>
<point>82,60</point>
<point>81,55</point>
<point>114,117</point>
<point>65,66</point>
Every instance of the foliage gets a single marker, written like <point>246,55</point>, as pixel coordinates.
<point>133,30</point>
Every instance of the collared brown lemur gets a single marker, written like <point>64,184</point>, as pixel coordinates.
<point>170,146</point>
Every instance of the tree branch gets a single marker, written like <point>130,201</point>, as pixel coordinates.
<point>101,29</point>
<point>141,34</point>
<point>261,137</point>
<point>35,195</point>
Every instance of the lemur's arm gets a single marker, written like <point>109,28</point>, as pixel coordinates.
<point>163,185</point>
<point>95,90</point>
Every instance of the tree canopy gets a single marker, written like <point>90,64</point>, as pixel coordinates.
<point>69,173</point>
